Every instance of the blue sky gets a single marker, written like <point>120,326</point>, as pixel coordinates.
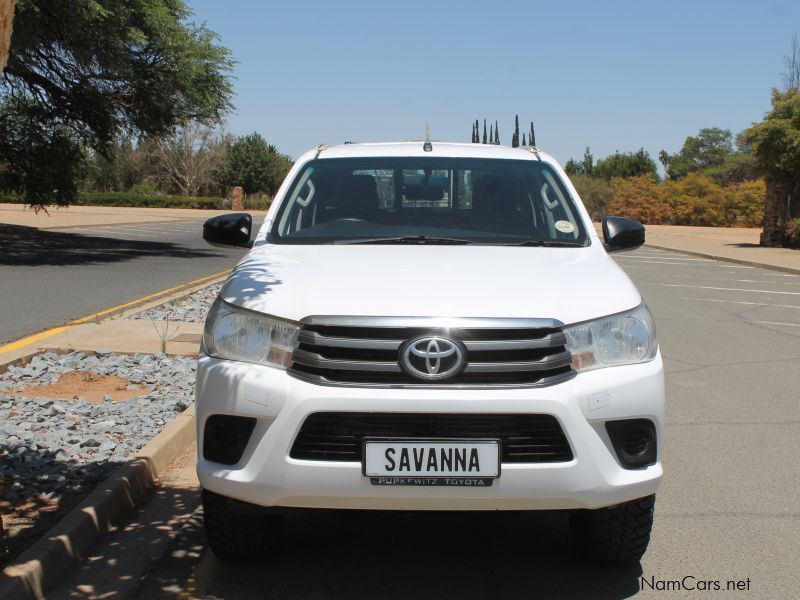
<point>612,75</point>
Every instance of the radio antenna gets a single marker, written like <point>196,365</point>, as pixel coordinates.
<point>427,147</point>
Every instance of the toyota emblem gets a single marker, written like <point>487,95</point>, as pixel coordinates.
<point>432,357</point>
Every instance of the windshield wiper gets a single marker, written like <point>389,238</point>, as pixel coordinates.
<point>408,239</point>
<point>548,244</point>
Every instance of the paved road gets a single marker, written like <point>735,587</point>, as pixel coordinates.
<point>728,509</point>
<point>69,273</point>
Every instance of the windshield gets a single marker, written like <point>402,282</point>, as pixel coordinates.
<point>428,200</point>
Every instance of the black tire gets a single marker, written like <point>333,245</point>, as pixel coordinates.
<point>238,535</point>
<point>617,535</point>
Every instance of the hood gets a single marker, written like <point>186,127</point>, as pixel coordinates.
<point>567,284</point>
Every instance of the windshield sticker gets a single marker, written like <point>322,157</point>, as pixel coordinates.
<point>565,226</point>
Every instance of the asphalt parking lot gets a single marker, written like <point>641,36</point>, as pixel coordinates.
<point>68,273</point>
<point>727,512</point>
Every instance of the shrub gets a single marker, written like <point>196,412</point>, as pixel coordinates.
<point>641,198</point>
<point>594,192</point>
<point>147,200</point>
<point>133,199</point>
<point>794,235</point>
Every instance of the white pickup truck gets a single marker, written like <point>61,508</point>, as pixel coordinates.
<point>429,327</point>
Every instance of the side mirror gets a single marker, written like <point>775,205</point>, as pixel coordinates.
<point>622,234</point>
<point>229,230</point>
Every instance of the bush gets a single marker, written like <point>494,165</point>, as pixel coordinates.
<point>692,200</point>
<point>133,199</point>
<point>641,198</point>
<point>147,200</point>
<point>794,235</point>
<point>594,192</point>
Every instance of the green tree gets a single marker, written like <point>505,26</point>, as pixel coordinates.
<point>532,136</point>
<point>709,148</point>
<point>484,131</point>
<point>584,167</point>
<point>255,165</point>
<point>515,136</point>
<point>81,72</point>
<point>524,143</point>
<point>496,134</point>
<point>775,142</point>
<point>628,164</point>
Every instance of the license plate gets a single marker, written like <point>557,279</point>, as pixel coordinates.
<point>432,462</point>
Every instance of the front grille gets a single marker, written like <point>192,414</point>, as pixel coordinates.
<point>368,351</point>
<point>339,436</point>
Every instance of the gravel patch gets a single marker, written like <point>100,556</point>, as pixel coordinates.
<point>61,447</point>
<point>191,309</point>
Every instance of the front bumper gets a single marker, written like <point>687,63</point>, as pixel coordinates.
<point>267,476</point>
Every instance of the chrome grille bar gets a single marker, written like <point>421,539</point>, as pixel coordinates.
<point>368,351</point>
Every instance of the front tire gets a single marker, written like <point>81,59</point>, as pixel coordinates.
<point>238,535</point>
<point>617,535</point>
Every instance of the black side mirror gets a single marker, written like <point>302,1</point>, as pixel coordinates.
<point>229,230</point>
<point>622,234</point>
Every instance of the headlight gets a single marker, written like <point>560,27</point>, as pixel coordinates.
<point>624,339</point>
<point>238,334</point>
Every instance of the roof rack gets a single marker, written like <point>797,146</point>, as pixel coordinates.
<point>320,149</point>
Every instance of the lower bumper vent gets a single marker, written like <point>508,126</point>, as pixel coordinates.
<point>225,437</point>
<point>339,436</point>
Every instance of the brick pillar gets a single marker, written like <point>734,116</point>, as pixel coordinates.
<point>237,198</point>
<point>775,214</point>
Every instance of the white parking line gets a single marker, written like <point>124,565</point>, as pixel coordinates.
<point>710,263</point>
<point>774,323</point>
<point>740,302</point>
<point>656,262</point>
<point>707,287</point>
<point>685,258</point>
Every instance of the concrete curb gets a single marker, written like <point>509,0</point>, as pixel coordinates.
<point>177,295</point>
<point>748,263</point>
<point>41,566</point>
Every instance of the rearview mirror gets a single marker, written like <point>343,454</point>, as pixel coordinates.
<point>622,234</point>
<point>229,230</point>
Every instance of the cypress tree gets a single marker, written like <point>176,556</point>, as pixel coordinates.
<point>532,136</point>
<point>515,137</point>
<point>491,135</point>
<point>523,139</point>
<point>472,139</point>
<point>484,131</point>
<point>496,134</point>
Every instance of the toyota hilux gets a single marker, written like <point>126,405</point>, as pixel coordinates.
<point>426,327</point>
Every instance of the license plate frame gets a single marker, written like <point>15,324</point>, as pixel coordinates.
<point>428,478</point>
